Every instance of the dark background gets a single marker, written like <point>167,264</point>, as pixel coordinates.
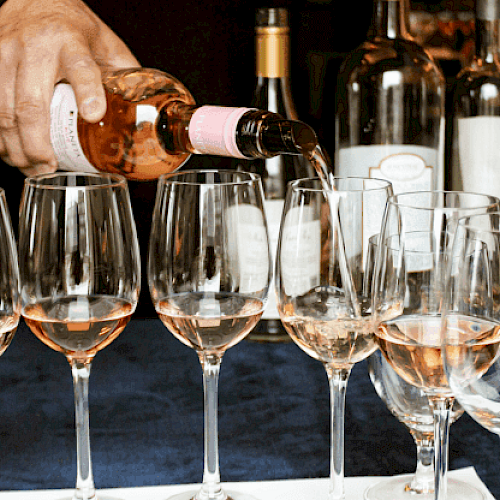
<point>209,46</point>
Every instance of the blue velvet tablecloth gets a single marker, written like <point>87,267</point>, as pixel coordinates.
<point>146,413</point>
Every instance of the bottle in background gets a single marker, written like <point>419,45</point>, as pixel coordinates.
<point>390,98</point>
<point>475,158</point>
<point>152,125</point>
<point>273,93</point>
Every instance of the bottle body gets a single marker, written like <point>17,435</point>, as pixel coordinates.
<point>125,140</point>
<point>476,110</point>
<point>389,118</point>
<point>273,93</point>
<point>152,125</point>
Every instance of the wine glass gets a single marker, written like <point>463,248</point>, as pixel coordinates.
<point>80,278</point>
<point>322,300</point>
<point>472,319</point>
<point>410,405</point>
<point>10,307</point>
<point>209,275</point>
<point>409,289</point>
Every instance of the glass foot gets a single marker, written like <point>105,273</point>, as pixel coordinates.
<point>395,489</point>
<point>229,495</point>
<point>97,497</point>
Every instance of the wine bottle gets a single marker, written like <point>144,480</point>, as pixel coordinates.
<point>273,93</point>
<point>476,109</point>
<point>389,116</point>
<point>152,125</point>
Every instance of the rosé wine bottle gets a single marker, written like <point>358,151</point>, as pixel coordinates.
<point>152,125</point>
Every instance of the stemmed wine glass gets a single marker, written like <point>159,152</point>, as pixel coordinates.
<point>323,300</point>
<point>410,405</point>
<point>209,274</point>
<point>409,289</point>
<point>80,278</point>
<point>10,307</point>
<point>471,325</point>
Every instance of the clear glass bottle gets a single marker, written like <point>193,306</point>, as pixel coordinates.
<point>273,93</point>
<point>389,116</point>
<point>476,109</point>
<point>152,125</point>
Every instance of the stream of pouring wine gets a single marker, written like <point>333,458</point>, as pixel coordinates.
<point>319,159</point>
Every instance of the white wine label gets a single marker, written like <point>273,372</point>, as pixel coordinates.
<point>300,252</point>
<point>274,210</point>
<point>479,154</point>
<point>248,247</point>
<point>212,130</point>
<point>407,167</point>
<point>64,133</point>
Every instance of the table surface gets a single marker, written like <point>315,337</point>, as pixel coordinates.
<point>289,489</point>
<point>146,417</point>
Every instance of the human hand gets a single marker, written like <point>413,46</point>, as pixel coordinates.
<point>41,43</point>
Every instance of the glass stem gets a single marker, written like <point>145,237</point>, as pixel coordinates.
<point>211,488</point>
<point>442,410</point>
<point>423,479</point>
<point>85,489</point>
<point>337,378</point>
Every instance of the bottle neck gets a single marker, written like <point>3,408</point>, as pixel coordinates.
<point>237,132</point>
<point>273,52</point>
<point>487,29</point>
<point>261,134</point>
<point>389,19</point>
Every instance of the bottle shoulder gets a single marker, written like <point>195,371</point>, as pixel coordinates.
<point>478,73</point>
<point>139,84</point>
<point>377,56</point>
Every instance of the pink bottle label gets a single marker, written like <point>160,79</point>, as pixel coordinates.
<point>212,130</point>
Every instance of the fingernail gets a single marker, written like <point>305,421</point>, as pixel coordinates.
<point>90,106</point>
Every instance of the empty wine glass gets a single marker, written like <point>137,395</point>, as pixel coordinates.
<point>409,289</point>
<point>322,300</point>
<point>9,278</point>
<point>209,274</point>
<point>472,319</point>
<point>80,278</point>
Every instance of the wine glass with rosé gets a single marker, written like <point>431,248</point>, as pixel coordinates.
<point>472,319</point>
<point>410,286</point>
<point>9,278</point>
<point>209,273</point>
<point>410,405</point>
<point>324,300</point>
<point>80,278</point>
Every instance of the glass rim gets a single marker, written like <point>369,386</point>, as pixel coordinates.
<point>386,243</point>
<point>114,180</point>
<point>393,200</point>
<point>175,178</point>
<point>466,222</point>
<point>383,184</point>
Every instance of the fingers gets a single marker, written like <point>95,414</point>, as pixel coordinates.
<point>35,53</point>
<point>82,72</point>
<point>8,125</point>
<point>26,94</point>
<point>18,112</point>
<point>29,144</point>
